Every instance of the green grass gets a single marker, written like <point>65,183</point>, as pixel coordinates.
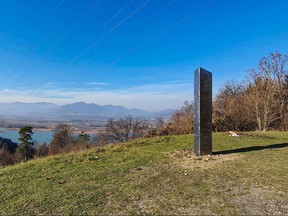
<point>141,178</point>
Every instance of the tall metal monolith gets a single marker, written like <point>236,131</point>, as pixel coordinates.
<point>202,112</point>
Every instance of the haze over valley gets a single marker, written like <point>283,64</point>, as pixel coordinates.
<point>75,111</point>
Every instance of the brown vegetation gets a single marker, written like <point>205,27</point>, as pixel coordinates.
<point>261,102</point>
<point>124,130</point>
<point>64,142</point>
<point>62,137</point>
<point>181,122</point>
<point>230,110</point>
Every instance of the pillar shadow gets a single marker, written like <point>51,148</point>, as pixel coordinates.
<point>251,148</point>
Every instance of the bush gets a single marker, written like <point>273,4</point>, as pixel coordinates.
<point>42,150</point>
<point>8,145</point>
<point>124,130</point>
<point>62,137</point>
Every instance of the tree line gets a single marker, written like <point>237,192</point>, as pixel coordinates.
<point>260,102</point>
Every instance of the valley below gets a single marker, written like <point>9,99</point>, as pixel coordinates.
<point>80,116</point>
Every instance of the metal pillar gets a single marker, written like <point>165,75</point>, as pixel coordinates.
<point>202,112</point>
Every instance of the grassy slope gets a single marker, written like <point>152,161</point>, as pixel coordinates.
<point>139,177</point>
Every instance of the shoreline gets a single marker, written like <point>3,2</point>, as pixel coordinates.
<point>74,130</point>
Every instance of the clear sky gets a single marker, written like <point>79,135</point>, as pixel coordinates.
<point>135,53</point>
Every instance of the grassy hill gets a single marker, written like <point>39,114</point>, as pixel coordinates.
<point>247,175</point>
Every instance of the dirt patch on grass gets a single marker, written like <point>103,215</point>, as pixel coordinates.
<point>188,159</point>
<point>262,201</point>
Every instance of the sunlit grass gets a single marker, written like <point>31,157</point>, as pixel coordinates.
<point>141,178</point>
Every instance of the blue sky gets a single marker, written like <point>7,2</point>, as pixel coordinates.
<point>135,53</point>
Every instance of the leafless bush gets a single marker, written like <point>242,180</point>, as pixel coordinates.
<point>230,109</point>
<point>182,121</point>
<point>124,129</point>
<point>62,138</point>
<point>42,150</point>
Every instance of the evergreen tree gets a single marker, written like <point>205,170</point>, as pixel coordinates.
<point>26,144</point>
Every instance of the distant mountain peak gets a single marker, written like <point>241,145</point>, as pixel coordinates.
<point>78,110</point>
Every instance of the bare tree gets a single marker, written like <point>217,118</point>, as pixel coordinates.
<point>124,129</point>
<point>265,92</point>
<point>160,127</point>
<point>182,121</point>
<point>230,89</point>
<point>230,111</point>
<point>42,150</point>
<point>285,105</point>
<point>62,137</point>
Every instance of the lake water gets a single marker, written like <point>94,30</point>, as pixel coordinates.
<point>38,136</point>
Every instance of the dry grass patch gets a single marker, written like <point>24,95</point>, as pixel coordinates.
<point>188,159</point>
<point>261,201</point>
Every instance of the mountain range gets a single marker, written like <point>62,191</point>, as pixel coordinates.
<point>79,110</point>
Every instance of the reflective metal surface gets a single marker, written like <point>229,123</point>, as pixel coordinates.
<point>202,112</point>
